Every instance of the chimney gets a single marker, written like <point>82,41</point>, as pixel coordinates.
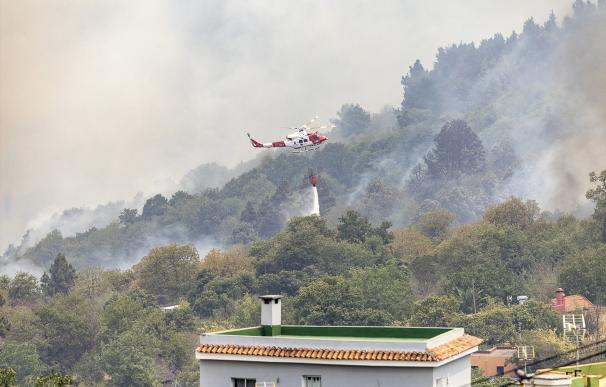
<point>560,296</point>
<point>271,315</point>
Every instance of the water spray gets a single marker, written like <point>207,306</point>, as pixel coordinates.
<point>313,180</point>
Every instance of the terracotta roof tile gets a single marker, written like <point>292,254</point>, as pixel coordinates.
<point>441,352</point>
<point>571,303</point>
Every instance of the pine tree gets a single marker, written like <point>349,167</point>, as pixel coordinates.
<point>61,279</point>
<point>458,151</point>
<point>249,215</point>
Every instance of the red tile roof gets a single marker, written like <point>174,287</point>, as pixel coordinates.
<point>441,352</point>
<point>571,303</point>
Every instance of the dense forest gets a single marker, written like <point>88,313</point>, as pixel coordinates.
<point>430,217</point>
<point>105,325</point>
<point>487,122</point>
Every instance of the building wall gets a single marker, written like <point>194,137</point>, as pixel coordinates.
<point>456,373</point>
<point>215,373</point>
<point>488,364</point>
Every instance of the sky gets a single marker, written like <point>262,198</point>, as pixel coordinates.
<point>102,100</point>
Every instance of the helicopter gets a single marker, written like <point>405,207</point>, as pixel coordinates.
<point>305,138</point>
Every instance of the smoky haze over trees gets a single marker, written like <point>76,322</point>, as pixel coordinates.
<point>486,122</point>
<point>166,87</point>
<point>419,224</point>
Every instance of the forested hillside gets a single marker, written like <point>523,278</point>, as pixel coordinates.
<point>433,213</point>
<point>98,325</point>
<point>486,122</point>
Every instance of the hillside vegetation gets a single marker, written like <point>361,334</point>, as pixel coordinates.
<point>487,122</point>
<point>93,324</point>
<point>430,217</point>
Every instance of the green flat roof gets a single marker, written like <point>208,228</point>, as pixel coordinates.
<point>344,332</point>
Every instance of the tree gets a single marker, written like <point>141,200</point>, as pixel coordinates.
<point>89,368</point>
<point>228,262</point>
<point>47,249</point>
<point>513,212</point>
<point>379,201</point>
<point>68,336</point>
<point>503,160</point>
<point>128,361</point>
<point>5,324</point>
<point>246,312</point>
<point>122,311</point>
<point>54,380</point>
<point>598,195</point>
<point>249,215</point>
<point>298,246</point>
<point>8,377</point>
<point>458,151</point>
<point>419,91</point>
<point>435,223</point>
<point>24,289</point>
<point>61,279</point>
<point>333,301</point>
<point>244,234</point>
<point>353,228</point>
<point>168,270</point>
<point>214,296</point>
<point>23,358</point>
<point>585,273</point>
<point>179,198</point>
<point>548,343</point>
<point>533,315</point>
<point>128,216</point>
<point>434,311</point>
<point>474,264</point>
<point>351,119</point>
<point>409,244</point>
<point>180,318</point>
<point>494,324</point>
<point>154,206</point>
<point>385,288</point>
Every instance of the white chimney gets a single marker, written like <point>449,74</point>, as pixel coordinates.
<point>271,310</point>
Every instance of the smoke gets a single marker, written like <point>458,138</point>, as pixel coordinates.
<point>568,139</point>
<point>584,81</point>
<point>11,267</point>
<point>165,236</point>
<point>100,100</point>
<point>109,257</point>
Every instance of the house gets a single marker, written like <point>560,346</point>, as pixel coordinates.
<point>495,361</point>
<point>273,354</point>
<point>564,304</point>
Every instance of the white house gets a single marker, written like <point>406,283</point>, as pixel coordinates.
<point>275,355</point>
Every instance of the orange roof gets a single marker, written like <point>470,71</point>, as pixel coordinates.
<point>571,304</point>
<point>441,352</point>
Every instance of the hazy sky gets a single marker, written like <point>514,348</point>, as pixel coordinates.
<point>101,100</point>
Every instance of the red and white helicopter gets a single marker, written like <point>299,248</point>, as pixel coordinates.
<point>306,138</point>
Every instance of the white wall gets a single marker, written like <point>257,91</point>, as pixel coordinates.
<point>456,373</point>
<point>218,373</point>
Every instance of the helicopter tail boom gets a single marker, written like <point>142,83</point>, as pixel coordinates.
<point>257,144</point>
